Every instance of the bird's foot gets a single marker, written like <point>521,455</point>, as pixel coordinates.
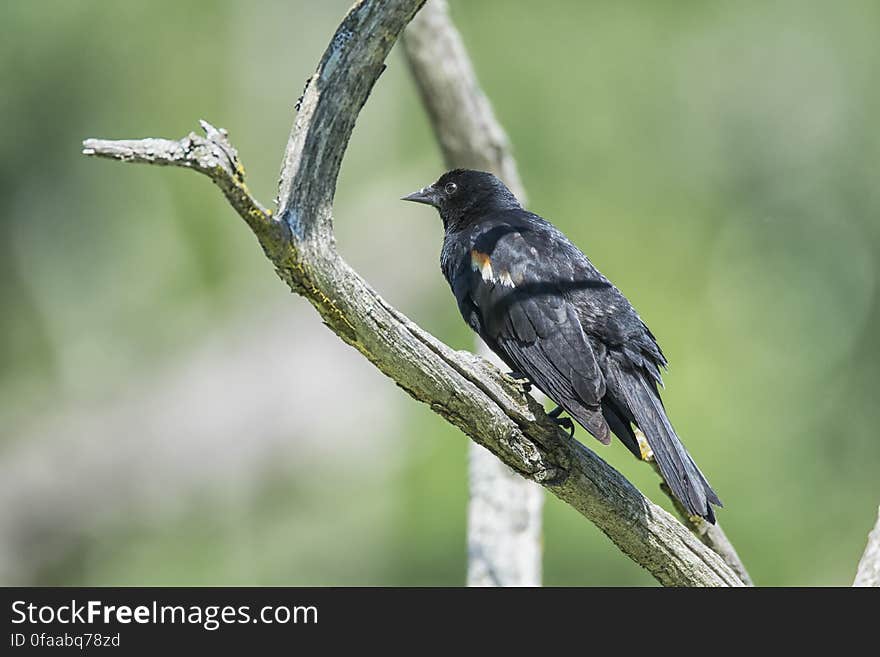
<point>520,380</point>
<point>564,422</point>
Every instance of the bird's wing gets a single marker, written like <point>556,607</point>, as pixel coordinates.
<point>519,289</point>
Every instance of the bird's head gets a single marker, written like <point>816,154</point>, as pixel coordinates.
<point>464,196</point>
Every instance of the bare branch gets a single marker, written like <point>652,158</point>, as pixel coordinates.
<point>504,544</point>
<point>471,136</point>
<point>711,535</point>
<point>868,573</point>
<point>504,510</point>
<point>211,155</point>
<point>463,121</point>
<point>352,63</point>
<point>463,388</point>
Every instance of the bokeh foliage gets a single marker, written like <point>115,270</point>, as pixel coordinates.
<point>718,161</point>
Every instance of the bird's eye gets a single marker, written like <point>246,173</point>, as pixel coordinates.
<point>450,188</point>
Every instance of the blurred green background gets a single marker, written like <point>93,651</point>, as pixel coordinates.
<point>170,414</point>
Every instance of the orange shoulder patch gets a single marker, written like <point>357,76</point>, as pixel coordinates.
<point>482,263</point>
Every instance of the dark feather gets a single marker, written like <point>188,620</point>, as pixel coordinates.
<point>677,467</point>
<point>542,306</point>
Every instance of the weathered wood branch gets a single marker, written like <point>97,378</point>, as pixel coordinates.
<point>712,535</point>
<point>211,155</point>
<point>868,573</point>
<point>504,510</point>
<point>504,546</point>
<point>463,388</point>
<point>462,118</point>
<point>471,137</point>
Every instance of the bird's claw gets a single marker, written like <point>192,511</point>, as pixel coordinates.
<point>563,422</point>
<point>520,380</point>
<point>567,424</point>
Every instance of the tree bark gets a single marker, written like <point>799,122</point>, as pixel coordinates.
<point>466,390</point>
<point>868,573</point>
<point>471,137</point>
<point>504,524</point>
<point>504,510</point>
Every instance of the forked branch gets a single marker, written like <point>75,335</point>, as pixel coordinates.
<point>464,389</point>
<point>471,137</point>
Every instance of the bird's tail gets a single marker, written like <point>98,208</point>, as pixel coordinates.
<point>677,467</point>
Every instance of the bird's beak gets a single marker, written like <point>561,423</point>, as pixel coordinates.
<point>426,195</point>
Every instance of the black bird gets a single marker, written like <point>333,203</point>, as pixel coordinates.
<point>553,318</point>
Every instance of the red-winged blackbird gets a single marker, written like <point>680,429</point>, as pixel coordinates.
<point>548,313</point>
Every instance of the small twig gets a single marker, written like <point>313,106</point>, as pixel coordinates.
<point>868,573</point>
<point>504,510</point>
<point>464,389</point>
<point>470,136</point>
<point>711,535</point>
<point>212,155</point>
